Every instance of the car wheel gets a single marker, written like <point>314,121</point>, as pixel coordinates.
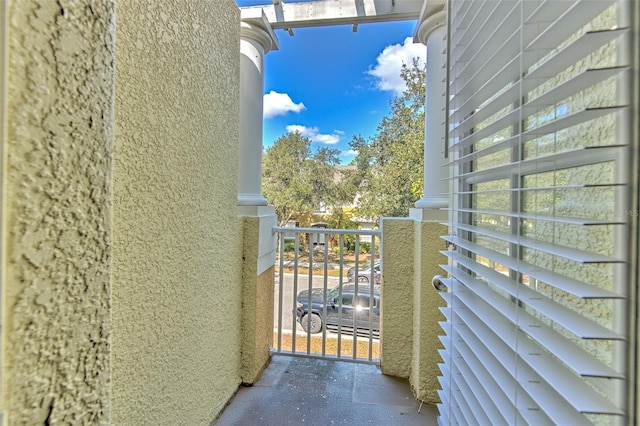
<point>363,279</point>
<point>315,326</point>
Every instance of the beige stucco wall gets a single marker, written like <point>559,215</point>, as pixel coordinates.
<point>410,308</point>
<point>257,306</point>
<point>397,296</point>
<point>56,217</point>
<point>177,244</point>
<point>427,301</point>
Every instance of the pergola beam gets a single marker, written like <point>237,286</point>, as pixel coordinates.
<point>335,12</point>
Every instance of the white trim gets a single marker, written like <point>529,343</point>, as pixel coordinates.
<point>336,12</point>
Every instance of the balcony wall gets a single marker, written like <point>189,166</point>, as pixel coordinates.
<point>410,313</point>
<point>257,296</point>
<point>122,249</point>
<point>57,210</point>
<point>177,239</point>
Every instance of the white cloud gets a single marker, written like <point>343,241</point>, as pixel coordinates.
<point>279,104</point>
<point>349,153</point>
<point>314,134</point>
<point>389,63</point>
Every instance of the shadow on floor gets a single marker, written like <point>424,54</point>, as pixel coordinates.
<point>320,392</point>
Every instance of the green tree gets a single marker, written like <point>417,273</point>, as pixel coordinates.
<point>389,166</point>
<point>296,179</point>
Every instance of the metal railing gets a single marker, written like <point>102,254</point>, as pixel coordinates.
<point>327,298</point>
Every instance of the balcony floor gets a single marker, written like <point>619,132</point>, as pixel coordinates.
<point>311,391</point>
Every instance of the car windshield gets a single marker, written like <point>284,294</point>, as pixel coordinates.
<point>333,292</point>
<point>365,266</point>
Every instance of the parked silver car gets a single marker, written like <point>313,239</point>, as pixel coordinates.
<point>364,273</point>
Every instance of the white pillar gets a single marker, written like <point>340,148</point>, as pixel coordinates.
<point>432,32</point>
<point>256,39</point>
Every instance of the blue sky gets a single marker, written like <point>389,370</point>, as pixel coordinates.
<point>331,84</point>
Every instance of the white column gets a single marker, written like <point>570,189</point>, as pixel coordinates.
<point>432,32</point>
<point>256,39</point>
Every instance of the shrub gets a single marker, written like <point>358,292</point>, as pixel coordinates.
<point>289,246</point>
<point>365,247</point>
<point>349,242</point>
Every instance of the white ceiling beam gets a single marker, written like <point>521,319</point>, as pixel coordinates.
<point>282,15</point>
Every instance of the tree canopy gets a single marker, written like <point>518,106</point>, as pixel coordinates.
<point>389,166</point>
<point>387,178</point>
<point>296,180</point>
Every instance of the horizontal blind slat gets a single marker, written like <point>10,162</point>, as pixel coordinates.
<point>570,320</point>
<point>445,326</point>
<point>464,102</point>
<point>539,188</point>
<point>447,312</point>
<point>557,280</point>
<point>555,376</point>
<point>534,122</point>
<point>498,359</point>
<point>469,44</point>
<point>575,84</point>
<point>556,125</point>
<point>570,87</point>
<point>475,401</point>
<point>463,17</point>
<point>578,221</point>
<point>584,45</point>
<point>569,253</point>
<point>502,100</point>
<point>567,24</point>
<point>491,414</point>
<point>547,12</point>
<point>494,78</point>
<point>504,396</point>
<point>477,54</point>
<point>561,161</point>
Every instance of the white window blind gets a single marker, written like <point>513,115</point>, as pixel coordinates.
<point>538,144</point>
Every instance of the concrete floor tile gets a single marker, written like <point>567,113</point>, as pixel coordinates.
<point>312,391</point>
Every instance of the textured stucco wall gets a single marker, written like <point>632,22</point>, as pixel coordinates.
<point>427,301</point>
<point>410,308</point>
<point>397,296</point>
<point>57,212</point>
<point>177,251</point>
<point>257,305</point>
